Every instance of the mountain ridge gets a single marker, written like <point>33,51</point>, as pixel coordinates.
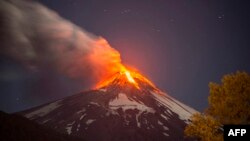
<point>14,127</point>
<point>126,107</point>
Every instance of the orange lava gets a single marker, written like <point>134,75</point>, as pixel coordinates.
<point>124,76</point>
<point>129,77</point>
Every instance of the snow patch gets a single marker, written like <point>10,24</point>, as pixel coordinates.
<point>69,127</point>
<point>123,102</point>
<point>111,112</point>
<point>165,128</point>
<point>165,134</point>
<point>168,112</point>
<point>81,111</point>
<point>165,117</point>
<point>44,110</point>
<point>46,121</point>
<point>94,103</point>
<point>88,122</point>
<point>184,112</point>
<point>82,116</point>
<point>78,126</point>
<point>103,90</point>
<point>160,123</point>
<point>137,119</point>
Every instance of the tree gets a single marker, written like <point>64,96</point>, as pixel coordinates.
<point>229,103</point>
<point>204,127</point>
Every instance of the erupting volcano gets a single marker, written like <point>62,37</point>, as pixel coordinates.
<point>124,107</point>
<point>125,77</point>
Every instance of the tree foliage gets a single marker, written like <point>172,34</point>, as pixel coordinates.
<point>229,103</point>
<point>204,127</point>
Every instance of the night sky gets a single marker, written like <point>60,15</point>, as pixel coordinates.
<point>180,45</point>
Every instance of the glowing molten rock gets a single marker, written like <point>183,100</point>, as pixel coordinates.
<point>130,78</point>
<point>124,77</point>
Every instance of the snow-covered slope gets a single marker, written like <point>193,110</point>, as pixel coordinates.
<point>116,112</point>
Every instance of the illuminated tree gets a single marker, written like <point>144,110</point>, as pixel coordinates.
<point>229,103</point>
<point>205,128</point>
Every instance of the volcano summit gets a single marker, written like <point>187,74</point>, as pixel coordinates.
<point>125,107</point>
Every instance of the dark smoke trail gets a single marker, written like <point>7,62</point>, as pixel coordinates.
<point>40,39</point>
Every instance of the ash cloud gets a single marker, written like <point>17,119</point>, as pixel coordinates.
<point>40,39</point>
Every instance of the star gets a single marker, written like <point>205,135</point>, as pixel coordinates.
<point>156,29</point>
<point>126,11</point>
<point>221,16</point>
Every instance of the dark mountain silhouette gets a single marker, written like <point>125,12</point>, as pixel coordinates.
<point>17,128</point>
<point>126,107</point>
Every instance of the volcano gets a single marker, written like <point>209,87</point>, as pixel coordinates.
<point>124,107</point>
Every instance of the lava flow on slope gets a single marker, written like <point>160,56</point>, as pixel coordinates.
<point>125,77</point>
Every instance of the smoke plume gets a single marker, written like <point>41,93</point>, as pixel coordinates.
<point>40,39</point>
